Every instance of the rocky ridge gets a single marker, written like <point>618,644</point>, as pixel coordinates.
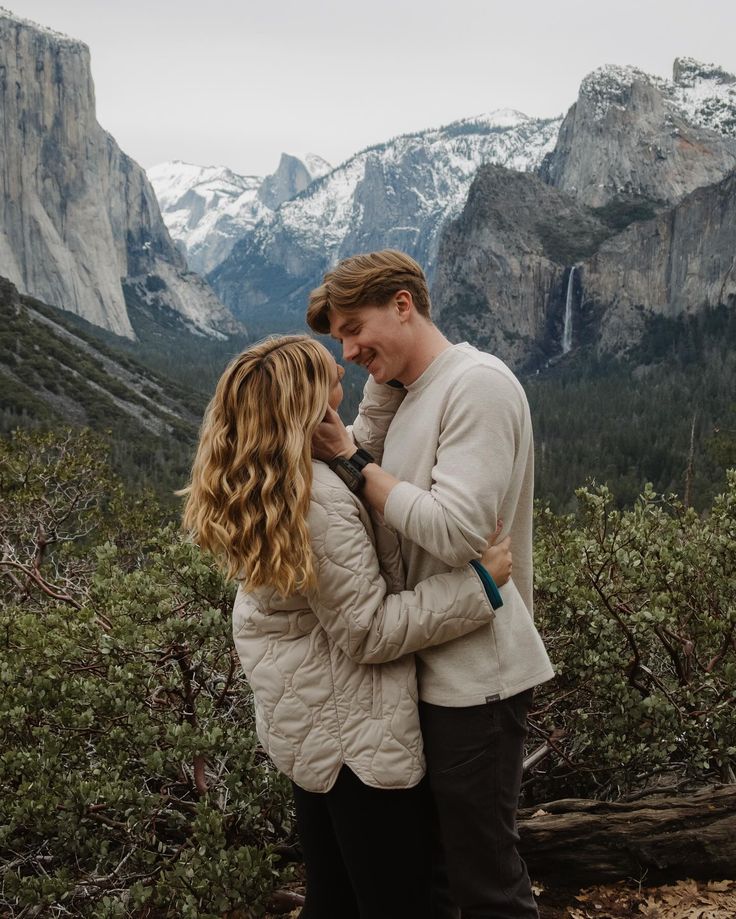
<point>632,136</point>
<point>398,194</point>
<point>208,208</point>
<point>56,372</point>
<point>80,223</point>
<point>505,265</point>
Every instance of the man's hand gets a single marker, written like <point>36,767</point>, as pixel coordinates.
<point>331,438</point>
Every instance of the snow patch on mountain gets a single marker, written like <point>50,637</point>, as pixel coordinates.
<point>208,208</point>
<point>437,167</point>
<point>609,86</point>
<point>703,94</point>
<point>317,166</point>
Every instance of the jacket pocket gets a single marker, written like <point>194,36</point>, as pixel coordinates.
<point>377,706</point>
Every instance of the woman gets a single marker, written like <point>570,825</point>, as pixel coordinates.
<point>324,631</point>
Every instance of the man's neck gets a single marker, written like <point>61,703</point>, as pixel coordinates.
<point>428,344</point>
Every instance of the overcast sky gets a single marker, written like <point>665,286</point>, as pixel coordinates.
<point>236,83</point>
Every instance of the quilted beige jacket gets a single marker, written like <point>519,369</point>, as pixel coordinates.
<point>332,674</point>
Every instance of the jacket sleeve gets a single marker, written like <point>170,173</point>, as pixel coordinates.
<point>354,607</point>
<point>482,431</point>
<point>375,413</point>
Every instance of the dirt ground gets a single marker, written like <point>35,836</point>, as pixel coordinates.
<point>625,900</point>
<point>682,900</point>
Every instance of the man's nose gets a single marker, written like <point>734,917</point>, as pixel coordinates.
<point>350,349</point>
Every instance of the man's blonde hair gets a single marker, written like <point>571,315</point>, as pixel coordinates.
<point>367,280</point>
<point>251,483</point>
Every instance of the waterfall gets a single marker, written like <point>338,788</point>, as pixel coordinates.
<point>567,329</point>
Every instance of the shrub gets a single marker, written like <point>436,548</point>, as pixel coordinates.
<point>130,778</point>
<point>639,611</point>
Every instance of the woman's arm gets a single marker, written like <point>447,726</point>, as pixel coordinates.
<point>351,600</point>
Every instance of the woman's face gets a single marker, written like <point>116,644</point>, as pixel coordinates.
<point>335,397</point>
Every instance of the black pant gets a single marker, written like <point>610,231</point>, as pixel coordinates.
<point>474,763</point>
<point>366,850</point>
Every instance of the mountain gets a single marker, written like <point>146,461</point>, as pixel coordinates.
<point>208,208</point>
<point>635,137</point>
<point>397,194</point>
<point>502,264</point>
<point>52,373</point>
<point>80,227</point>
<point>681,262</point>
<point>590,248</point>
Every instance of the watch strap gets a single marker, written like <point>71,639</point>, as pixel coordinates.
<point>361,458</point>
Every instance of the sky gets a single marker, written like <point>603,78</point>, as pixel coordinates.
<point>236,82</point>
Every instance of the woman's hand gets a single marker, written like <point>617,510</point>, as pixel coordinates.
<point>497,558</point>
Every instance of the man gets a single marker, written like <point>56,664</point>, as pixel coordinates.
<point>458,459</point>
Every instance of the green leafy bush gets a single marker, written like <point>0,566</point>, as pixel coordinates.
<point>130,778</point>
<point>638,608</point>
<point>131,782</point>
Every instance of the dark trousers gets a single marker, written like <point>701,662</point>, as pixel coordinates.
<point>474,763</point>
<point>366,850</point>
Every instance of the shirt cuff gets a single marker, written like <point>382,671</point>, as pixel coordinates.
<point>492,592</point>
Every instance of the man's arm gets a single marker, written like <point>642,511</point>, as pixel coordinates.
<point>484,422</point>
<point>376,411</point>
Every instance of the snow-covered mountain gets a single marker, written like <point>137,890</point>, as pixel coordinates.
<point>208,208</point>
<point>633,136</point>
<point>397,194</point>
<point>705,94</point>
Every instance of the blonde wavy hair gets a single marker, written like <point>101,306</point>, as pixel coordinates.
<point>248,498</point>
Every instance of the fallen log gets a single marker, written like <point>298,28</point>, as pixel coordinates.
<point>577,842</point>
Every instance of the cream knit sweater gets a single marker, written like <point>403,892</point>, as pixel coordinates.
<point>461,446</point>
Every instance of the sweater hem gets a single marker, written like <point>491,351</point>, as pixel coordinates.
<point>453,700</point>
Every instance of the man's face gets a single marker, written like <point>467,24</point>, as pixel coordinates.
<point>374,337</point>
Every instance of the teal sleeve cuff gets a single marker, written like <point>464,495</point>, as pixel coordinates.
<point>492,592</point>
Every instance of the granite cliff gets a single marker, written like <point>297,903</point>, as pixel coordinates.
<point>632,215</point>
<point>632,136</point>
<point>80,223</point>
<point>501,276</point>
<point>681,262</point>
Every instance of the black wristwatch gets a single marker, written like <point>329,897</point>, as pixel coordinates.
<point>351,470</point>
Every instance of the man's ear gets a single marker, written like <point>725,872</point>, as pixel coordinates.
<point>404,303</point>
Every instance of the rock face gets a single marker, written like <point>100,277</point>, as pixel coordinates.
<point>292,176</point>
<point>207,209</point>
<point>79,218</point>
<point>633,147</point>
<point>631,136</point>
<point>501,276</point>
<point>682,261</point>
<point>398,194</point>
